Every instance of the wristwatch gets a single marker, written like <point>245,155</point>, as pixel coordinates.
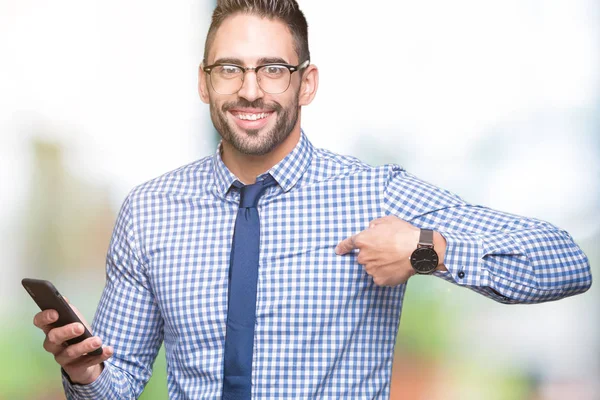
<point>424,259</point>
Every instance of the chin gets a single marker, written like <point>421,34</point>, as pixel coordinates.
<point>256,148</point>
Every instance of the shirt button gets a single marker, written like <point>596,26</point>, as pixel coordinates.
<point>461,274</point>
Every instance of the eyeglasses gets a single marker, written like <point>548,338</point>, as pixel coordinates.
<point>272,78</point>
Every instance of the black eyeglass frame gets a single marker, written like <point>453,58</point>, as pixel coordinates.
<point>292,68</point>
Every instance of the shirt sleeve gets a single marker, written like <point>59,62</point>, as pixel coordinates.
<point>505,257</point>
<point>127,318</point>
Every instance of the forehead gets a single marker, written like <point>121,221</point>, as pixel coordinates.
<point>250,37</point>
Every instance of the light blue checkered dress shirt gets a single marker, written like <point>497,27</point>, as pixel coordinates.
<point>324,330</point>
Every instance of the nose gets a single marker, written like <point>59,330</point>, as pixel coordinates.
<point>250,89</point>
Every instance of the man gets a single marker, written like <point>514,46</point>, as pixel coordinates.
<point>277,270</point>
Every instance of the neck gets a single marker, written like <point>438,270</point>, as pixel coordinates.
<point>247,167</point>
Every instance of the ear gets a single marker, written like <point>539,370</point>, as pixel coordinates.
<point>309,85</point>
<point>203,84</point>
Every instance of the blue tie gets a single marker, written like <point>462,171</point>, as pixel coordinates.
<point>243,275</point>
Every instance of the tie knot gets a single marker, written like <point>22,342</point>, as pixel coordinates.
<point>249,194</point>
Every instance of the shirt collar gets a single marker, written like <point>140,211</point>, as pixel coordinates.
<point>287,172</point>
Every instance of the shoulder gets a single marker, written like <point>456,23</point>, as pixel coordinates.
<point>188,180</point>
<point>332,165</point>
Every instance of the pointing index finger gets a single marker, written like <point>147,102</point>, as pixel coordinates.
<point>345,246</point>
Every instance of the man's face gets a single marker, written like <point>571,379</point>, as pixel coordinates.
<point>252,121</point>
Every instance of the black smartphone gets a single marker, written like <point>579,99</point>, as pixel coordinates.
<point>48,298</point>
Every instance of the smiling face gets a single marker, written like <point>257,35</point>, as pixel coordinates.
<point>251,121</point>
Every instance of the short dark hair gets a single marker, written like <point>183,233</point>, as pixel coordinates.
<point>287,11</point>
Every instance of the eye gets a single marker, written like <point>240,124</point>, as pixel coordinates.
<point>274,71</point>
<point>228,71</point>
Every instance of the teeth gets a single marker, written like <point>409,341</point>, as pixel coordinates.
<point>252,117</point>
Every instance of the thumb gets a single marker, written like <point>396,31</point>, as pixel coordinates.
<point>345,246</point>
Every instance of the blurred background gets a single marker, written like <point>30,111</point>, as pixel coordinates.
<point>496,100</point>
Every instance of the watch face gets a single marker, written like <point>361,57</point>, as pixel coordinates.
<point>424,260</point>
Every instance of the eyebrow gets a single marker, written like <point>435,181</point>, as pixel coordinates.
<point>261,61</point>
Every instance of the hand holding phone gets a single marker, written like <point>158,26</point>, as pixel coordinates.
<point>67,337</point>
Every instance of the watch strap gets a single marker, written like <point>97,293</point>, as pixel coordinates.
<point>426,238</point>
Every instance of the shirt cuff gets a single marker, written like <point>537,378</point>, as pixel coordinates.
<point>464,260</point>
<point>94,390</point>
